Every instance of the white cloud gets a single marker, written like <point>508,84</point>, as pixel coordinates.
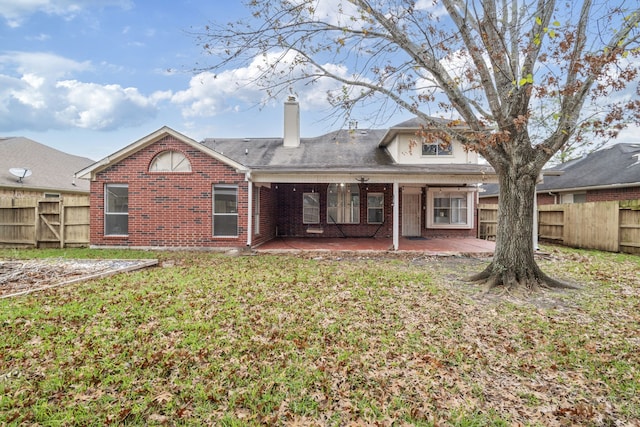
<point>210,94</point>
<point>38,91</point>
<point>15,11</point>
<point>42,63</point>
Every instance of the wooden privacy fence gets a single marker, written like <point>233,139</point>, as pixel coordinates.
<point>44,223</point>
<point>608,226</point>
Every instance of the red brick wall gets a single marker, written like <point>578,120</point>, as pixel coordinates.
<point>546,199</point>
<point>629,193</point>
<point>489,200</point>
<point>168,209</point>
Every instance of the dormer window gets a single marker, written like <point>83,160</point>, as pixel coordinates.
<point>436,148</point>
<point>170,161</point>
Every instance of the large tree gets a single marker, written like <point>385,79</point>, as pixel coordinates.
<point>523,75</point>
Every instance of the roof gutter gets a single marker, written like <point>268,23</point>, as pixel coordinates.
<point>593,187</point>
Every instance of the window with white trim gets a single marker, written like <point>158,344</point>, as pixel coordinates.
<point>225,211</point>
<point>310,208</point>
<point>116,209</point>
<point>375,208</point>
<point>343,204</point>
<point>436,148</point>
<point>170,161</point>
<point>449,208</point>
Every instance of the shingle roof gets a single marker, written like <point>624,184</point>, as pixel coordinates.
<point>618,165</point>
<point>51,169</point>
<point>338,151</point>
<point>340,148</point>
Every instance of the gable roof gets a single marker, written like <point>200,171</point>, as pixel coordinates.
<point>615,166</point>
<point>90,171</point>
<point>51,169</point>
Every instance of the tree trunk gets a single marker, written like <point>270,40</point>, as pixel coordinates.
<point>514,265</point>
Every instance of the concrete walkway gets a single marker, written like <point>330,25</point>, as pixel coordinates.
<point>453,246</point>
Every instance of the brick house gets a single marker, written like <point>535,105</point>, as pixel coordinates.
<point>167,190</point>
<point>605,175</point>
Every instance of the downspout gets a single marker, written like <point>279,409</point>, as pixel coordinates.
<point>396,216</point>
<point>247,178</point>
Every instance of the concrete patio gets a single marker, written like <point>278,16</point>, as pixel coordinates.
<point>449,246</point>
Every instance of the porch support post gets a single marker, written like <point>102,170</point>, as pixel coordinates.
<point>249,210</point>
<point>396,216</point>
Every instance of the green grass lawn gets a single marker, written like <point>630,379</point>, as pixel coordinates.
<point>210,339</point>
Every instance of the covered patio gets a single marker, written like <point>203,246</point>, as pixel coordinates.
<point>426,246</point>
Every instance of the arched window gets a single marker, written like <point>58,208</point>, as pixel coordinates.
<point>343,204</point>
<point>170,161</point>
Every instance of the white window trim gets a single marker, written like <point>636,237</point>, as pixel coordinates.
<point>435,191</point>
<point>106,213</point>
<point>317,210</point>
<point>175,159</point>
<point>214,214</point>
<point>376,208</point>
<point>437,155</point>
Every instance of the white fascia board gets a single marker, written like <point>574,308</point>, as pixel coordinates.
<point>423,179</point>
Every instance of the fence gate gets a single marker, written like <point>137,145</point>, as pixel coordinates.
<point>44,223</point>
<point>49,225</point>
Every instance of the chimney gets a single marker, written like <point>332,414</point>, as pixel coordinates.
<point>291,123</point>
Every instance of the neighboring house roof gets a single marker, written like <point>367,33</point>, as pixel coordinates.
<point>51,169</point>
<point>613,167</point>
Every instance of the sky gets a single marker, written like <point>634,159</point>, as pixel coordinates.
<point>90,77</point>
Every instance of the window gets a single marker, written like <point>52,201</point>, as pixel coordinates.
<point>436,148</point>
<point>116,210</point>
<point>343,204</point>
<point>574,198</point>
<point>375,208</point>
<point>170,161</point>
<point>225,211</point>
<point>310,208</point>
<point>449,208</point>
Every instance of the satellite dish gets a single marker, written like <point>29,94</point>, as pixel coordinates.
<point>20,173</point>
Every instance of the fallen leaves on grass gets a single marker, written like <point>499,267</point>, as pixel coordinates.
<point>320,340</point>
